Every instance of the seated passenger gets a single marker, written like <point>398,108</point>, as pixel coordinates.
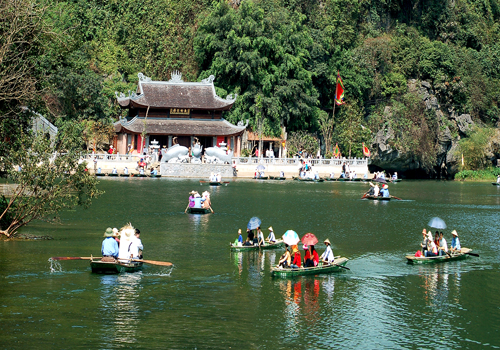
<point>198,200</point>
<point>109,247</point>
<point>99,170</point>
<point>296,260</point>
<point>455,242</point>
<point>431,246</point>
<point>240,238</point>
<point>271,238</point>
<point>327,257</point>
<point>311,258</point>
<point>260,237</point>
<point>395,176</point>
<point>285,259</point>
<point>114,171</point>
<point>443,245</point>
<point>332,175</point>
<point>125,171</point>
<point>154,172</point>
<point>385,191</point>
<point>141,171</point>
<point>282,173</point>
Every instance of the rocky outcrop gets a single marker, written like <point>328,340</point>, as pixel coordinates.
<point>451,127</point>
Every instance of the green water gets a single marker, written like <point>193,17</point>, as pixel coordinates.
<point>215,299</point>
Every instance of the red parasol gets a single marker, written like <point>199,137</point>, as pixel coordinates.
<point>309,239</point>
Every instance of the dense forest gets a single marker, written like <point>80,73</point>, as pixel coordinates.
<point>421,77</point>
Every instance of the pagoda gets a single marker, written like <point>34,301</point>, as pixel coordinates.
<point>186,111</point>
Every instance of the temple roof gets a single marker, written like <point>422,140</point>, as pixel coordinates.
<point>180,127</point>
<point>175,93</point>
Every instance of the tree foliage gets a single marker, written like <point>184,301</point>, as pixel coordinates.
<point>51,178</point>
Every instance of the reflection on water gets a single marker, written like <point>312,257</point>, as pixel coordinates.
<point>118,305</point>
<point>55,266</point>
<point>199,220</point>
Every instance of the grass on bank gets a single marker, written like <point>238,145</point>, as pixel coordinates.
<point>484,174</point>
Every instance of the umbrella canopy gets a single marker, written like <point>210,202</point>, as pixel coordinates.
<point>260,167</point>
<point>309,239</point>
<point>437,223</point>
<point>253,223</point>
<point>291,237</point>
<point>382,181</point>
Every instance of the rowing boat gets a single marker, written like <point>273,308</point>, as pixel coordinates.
<point>153,175</point>
<point>463,254</point>
<point>277,178</point>
<point>261,178</point>
<point>495,184</point>
<point>308,180</point>
<point>317,270</point>
<point>376,198</point>
<point>139,175</point>
<point>198,210</point>
<point>100,174</point>
<point>214,183</point>
<point>246,248</point>
<point>124,175</point>
<point>115,266</point>
<point>113,175</point>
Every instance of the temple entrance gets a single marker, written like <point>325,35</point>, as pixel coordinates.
<point>206,141</point>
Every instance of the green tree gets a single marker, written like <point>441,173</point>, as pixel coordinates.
<point>350,131</point>
<point>51,179</point>
<point>479,148</point>
<point>261,54</point>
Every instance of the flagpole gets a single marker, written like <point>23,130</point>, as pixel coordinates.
<point>335,97</point>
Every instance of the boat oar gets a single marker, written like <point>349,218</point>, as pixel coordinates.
<point>399,199</point>
<point>342,266</point>
<point>473,254</point>
<point>210,207</point>
<point>73,258</point>
<point>154,262</point>
<point>186,208</point>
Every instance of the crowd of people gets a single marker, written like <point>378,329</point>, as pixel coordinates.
<point>292,257</point>
<point>125,244</point>
<point>437,245</point>
<point>199,201</point>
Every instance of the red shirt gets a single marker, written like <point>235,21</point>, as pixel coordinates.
<point>296,259</point>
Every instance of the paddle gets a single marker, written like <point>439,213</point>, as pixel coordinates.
<point>154,262</point>
<point>72,258</point>
<point>342,266</point>
<point>186,208</point>
<point>210,207</point>
<point>364,196</point>
<point>399,199</point>
<point>473,254</point>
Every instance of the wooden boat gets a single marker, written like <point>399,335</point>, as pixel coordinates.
<point>124,175</point>
<point>113,175</point>
<point>117,266</point>
<point>412,259</point>
<point>330,179</point>
<point>157,175</point>
<point>495,184</point>
<point>214,183</point>
<point>139,175</point>
<point>317,270</point>
<point>198,211</point>
<point>261,178</point>
<point>343,179</point>
<point>376,198</point>
<point>308,180</point>
<point>245,248</point>
<point>277,178</point>
<point>100,174</point>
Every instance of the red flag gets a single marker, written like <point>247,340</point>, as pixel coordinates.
<point>339,91</point>
<point>366,151</point>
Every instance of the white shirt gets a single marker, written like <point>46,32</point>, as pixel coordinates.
<point>271,237</point>
<point>376,190</point>
<point>327,255</point>
<point>443,244</point>
<point>135,246</point>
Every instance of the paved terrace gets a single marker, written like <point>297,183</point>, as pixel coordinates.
<point>246,166</point>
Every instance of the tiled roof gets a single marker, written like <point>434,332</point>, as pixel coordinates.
<point>175,93</point>
<point>189,127</point>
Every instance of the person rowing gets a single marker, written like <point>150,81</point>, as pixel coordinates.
<point>455,242</point>
<point>327,257</point>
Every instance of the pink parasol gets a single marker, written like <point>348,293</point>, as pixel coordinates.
<point>309,239</point>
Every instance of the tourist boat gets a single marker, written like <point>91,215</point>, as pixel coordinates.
<point>100,174</point>
<point>495,184</point>
<point>157,175</point>
<point>308,180</point>
<point>113,175</point>
<point>277,178</point>
<point>198,210</point>
<point>316,270</point>
<point>261,178</point>
<point>124,175</point>
<point>244,248</point>
<point>463,254</point>
<point>376,198</point>
<point>109,267</point>
<point>215,183</point>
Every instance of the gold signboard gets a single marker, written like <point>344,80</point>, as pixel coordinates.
<point>185,111</point>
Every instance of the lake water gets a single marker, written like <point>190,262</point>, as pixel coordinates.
<point>214,299</point>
